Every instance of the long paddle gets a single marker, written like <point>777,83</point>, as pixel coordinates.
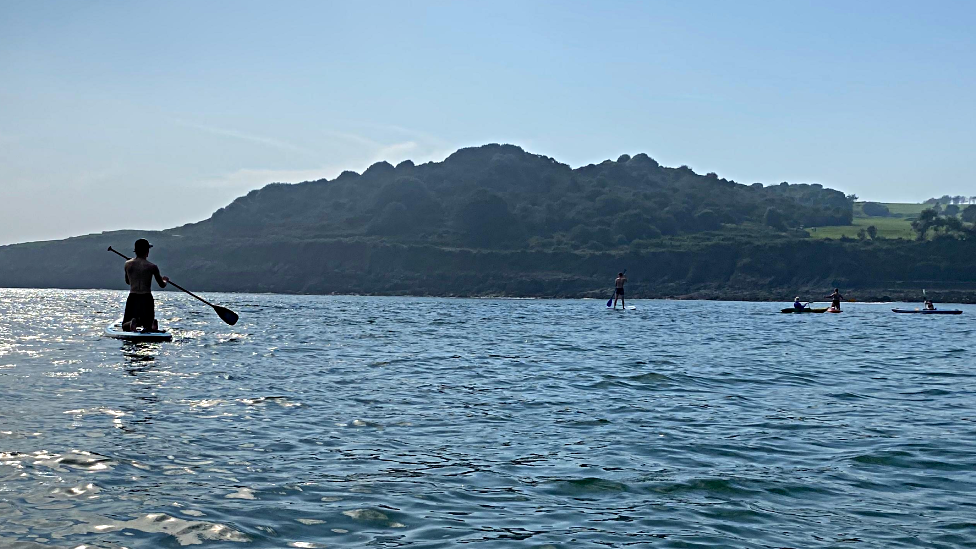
<point>225,314</point>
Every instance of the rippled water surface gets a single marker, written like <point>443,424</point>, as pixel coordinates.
<point>395,422</point>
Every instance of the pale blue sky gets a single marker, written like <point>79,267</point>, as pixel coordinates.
<point>148,115</point>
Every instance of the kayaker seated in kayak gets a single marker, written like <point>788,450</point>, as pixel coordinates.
<point>140,309</point>
<point>929,306</point>
<point>797,305</point>
<point>835,298</point>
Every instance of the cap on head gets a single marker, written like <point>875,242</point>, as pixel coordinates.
<point>142,246</point>
<point>620,274</point>
<point>797,298</point>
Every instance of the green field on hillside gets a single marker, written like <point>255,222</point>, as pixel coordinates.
<point>898,225</point>
<point>888,227</point>
<point>906,209</point>
<point>899,209</point>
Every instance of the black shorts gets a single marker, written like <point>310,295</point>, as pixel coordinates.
<point>620,291</point>
<point>140,307</point>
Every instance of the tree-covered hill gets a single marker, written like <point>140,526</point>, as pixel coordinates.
<point>496,220</point>
<point>501,197</point>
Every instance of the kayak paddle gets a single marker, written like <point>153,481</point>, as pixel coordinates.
<point>225,314</point>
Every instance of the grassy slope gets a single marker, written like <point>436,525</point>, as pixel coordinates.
<point>888,227</point>
<point>906,209</point>
<point>897,226</point>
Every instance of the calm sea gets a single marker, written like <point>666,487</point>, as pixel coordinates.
<point>409,422</point>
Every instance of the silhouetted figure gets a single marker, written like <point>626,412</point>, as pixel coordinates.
<point>619,292</point>
<point>140,309</point>
<point>835,299</point>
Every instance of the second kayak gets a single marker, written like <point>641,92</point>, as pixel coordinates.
<point>929,311</point>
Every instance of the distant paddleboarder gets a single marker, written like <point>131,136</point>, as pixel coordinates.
<point>140,309</point>
<point>619,291</point>
<point>835,298</point>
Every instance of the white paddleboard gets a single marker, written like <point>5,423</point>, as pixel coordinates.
<point>115,330</point>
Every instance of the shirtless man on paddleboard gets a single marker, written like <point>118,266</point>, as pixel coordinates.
<point>835,299</point>
<point>140,309</point>
<point>619,290</point>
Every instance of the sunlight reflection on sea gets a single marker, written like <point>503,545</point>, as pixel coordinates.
<point>336,421</point>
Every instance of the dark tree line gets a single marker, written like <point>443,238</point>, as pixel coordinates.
<point>949,225</point>
<point>946,199</point>
<point>875,209</point>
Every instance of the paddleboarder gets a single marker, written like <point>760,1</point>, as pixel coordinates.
<point>140,308</point>
<point>619,290</point>
<point>835,299</point>
<point>225,314</point>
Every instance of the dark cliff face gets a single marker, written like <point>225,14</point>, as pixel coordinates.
<point>496,220</point>
<point>777,269</point>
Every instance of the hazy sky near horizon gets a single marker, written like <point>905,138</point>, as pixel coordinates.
<point>148,115</point>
